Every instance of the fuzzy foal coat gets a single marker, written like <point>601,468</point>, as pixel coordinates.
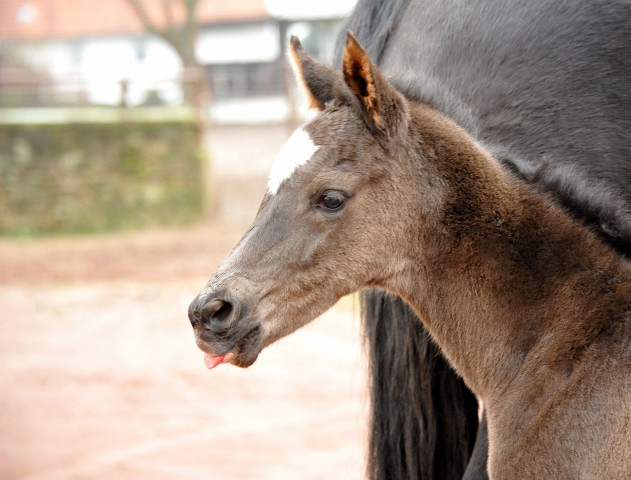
<point>537,314</point>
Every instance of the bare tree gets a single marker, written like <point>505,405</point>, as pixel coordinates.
<point>177,26</point>
<point>178,32</point>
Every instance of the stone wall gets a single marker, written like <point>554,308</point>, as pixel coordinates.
<point>90,177</point>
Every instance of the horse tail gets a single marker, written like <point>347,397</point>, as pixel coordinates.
<point>424,419</point>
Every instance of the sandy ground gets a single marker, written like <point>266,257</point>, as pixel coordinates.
<point>101,379</point>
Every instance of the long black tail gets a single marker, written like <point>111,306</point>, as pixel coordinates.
<point>424,419</point>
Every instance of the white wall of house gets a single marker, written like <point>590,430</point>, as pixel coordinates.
<point>99,65</point>
<point>290,9</point>
<point>245,43</point>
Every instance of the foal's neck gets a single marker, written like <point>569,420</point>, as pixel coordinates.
<point>505,273</point>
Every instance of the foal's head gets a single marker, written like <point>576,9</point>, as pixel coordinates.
<point>342,205</point>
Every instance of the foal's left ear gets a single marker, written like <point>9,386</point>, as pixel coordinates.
<point>317,79</point>
<point>384,108</point>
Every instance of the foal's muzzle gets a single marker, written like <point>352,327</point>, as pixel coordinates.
<point>222,326</point>
<point>212,311</point>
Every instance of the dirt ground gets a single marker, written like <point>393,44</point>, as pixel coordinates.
<point>101,378</point>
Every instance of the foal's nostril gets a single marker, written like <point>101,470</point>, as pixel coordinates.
<point>216,311</point>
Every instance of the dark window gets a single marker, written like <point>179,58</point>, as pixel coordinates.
<point>246,80</point>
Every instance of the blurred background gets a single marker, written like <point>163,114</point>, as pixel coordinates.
<point>135,141</point>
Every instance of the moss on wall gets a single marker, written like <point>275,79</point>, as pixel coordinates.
<point>89,177</point>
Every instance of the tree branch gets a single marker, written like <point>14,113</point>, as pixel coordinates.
<point>167,9</point>
<point>180,37</point>
<point>143,16</point>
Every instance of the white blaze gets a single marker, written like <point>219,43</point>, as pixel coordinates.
<point>298,149</point>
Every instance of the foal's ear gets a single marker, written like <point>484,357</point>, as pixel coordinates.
<point>317,79</point>
<point>384,108</point>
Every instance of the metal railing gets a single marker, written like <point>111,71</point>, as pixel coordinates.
<point>24,89</point>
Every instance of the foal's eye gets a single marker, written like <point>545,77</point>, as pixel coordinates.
<point>332,200</point>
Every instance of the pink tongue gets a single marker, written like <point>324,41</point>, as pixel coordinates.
<point>211,362</point>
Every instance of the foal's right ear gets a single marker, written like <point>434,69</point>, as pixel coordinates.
<point>384,108</point>
<point>317,79</point>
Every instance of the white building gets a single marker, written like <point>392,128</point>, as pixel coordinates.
<point>60,52</point>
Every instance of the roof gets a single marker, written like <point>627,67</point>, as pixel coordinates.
<point>49,19</point>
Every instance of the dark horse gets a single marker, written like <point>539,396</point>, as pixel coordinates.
<point>547,86</point>
<point>530,307</point>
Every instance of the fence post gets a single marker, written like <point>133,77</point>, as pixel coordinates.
<point>124,89</point>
